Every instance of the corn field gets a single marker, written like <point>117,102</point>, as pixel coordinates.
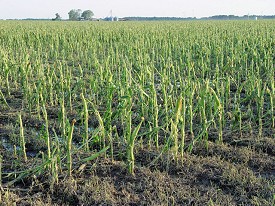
<point>73,91</point>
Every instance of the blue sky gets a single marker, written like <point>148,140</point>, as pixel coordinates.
<point>120,8</point>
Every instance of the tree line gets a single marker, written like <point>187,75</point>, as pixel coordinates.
<point>217,17</point>
<point>76,15</point>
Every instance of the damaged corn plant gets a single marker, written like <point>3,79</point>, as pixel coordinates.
<point>84,90</point>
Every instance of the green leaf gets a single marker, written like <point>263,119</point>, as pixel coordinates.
<point>94,156</point>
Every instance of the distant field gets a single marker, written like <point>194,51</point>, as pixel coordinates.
<point>137,113</point>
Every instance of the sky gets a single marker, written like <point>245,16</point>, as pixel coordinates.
<point>18,9</point>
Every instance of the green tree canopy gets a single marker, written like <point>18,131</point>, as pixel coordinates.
<point>87,14</point>
<point>74,14</point>
<point>57,17</point>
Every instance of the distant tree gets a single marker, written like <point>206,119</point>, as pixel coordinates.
<point>87,15</point>
<point>57,17</point>
<point>75,14</point>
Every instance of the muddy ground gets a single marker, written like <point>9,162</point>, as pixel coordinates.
<point>241,171</point>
